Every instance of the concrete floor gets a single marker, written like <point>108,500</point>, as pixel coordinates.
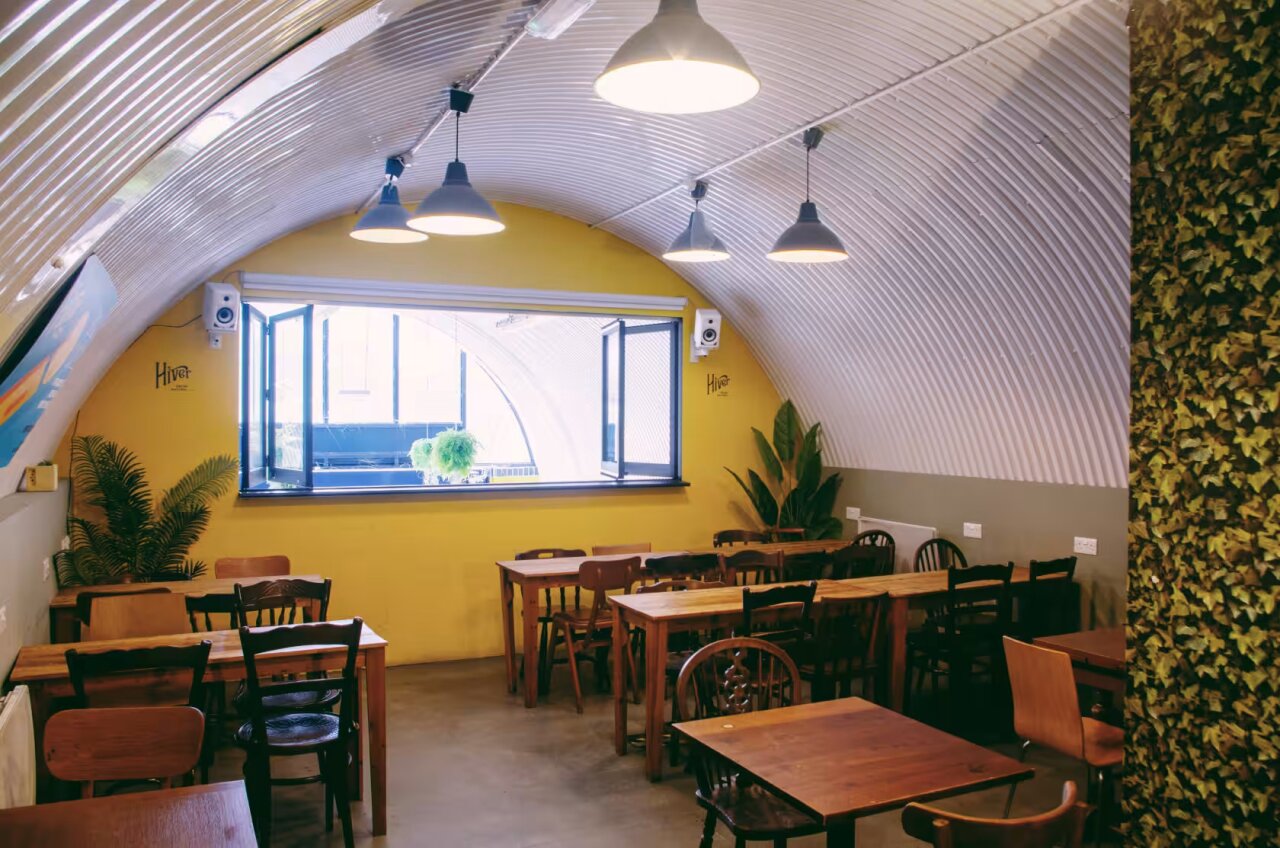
<point>471,768</point>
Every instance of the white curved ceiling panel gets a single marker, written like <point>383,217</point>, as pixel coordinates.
<point>976,165</point>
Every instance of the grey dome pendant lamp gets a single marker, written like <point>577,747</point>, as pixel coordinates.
<point>808,240</point>
<point>456,209</point>
<point>677,64</point>
<point>388,222</point>
<point>697,243</point>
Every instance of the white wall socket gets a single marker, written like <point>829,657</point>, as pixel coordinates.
<point>46,568</point>
<point>852,513</point>
<point>972,531</point>
<point>1085,545</point>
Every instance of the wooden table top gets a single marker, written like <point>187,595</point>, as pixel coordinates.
<point>673,606</point>
<point>568,566</point>
<point>848,758</point>
<point>225,586</point>
<point>211,816</point>
<point>48,662</point>
<point>918,584</point>
<point>1103,648</point>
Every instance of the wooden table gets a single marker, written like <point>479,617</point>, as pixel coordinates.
<point>43,668</point>
<point>533,576</point>
<point>845,759</point>
<point>63,626</point>
<point>662,613</point>
<point>212,816</point>
<point>1096,655</point>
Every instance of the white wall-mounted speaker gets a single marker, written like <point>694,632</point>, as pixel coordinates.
<point>221,308</point>
<point>706,329</point>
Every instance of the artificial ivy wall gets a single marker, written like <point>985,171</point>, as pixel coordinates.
<point>1203,713</point>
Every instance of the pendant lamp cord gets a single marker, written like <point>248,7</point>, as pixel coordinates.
<point>808,152</point>
<point>457,135</point>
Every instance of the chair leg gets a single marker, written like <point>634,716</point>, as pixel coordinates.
<point>740,842</point>
<point>257,778</point>
<point>328,792</point>
<point>544,672</point>
<point>708,830</point>
<point>336,779</point>
<point>571,650</point>
<point>1022,758</point>
<point>633,678</point>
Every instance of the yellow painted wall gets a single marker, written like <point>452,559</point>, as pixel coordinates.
<point>420,569</point>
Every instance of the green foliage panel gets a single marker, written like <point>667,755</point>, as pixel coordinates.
<point>1203,713</point>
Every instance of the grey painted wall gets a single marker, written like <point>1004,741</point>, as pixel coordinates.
<point>31,527</point>
<point>1020,522</point>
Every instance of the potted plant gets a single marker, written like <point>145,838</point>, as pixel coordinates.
<point>793,464</point>
<point>447,458</point>
<point>137,539</point>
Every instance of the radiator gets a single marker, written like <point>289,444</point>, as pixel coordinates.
<point>17,750</point>
<point>906,538</point>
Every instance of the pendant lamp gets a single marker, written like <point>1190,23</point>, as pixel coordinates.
<point>808,240</point>
<point>388,222</point>
<point>697,243</point>
<point>456,209</point>
<point>677,64</point>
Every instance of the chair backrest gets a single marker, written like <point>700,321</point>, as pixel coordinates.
<point>1046,708</point>
<point>787,534</point>
<point>84,600</point>
<point>700,566</point>
<point>847,637</point>
<point>937,554</point>
<point>878,539</point>
<point>280,600</point>
<point>124,743</point>
<point>632,548</point>
<point>600,577</point>
<point>732,537</point>
<point>748,566</point>
<point>261,640</point>
<point>989,605</point>
<point>1049,606</point>
<point>202,608</point>
<point>754,600</point>
<point>110,678</point>
<point>133,615</point>
<point>1061,827</point>
<point>858,560</point>
<point>680,584</point>
<point>550,553</point>
<point>809,565</point>
<point>259,566</point>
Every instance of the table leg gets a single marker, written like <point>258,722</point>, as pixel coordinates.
<point>897,636</point>
<point>655,673</point>
<point>376,688</point>
<point>619,657</point>
<point>529,628</point>
<point>63,626</point>
<point>41,709</point>
<point>355,771</point>
<point>507,597</point>
<point>843,835</point>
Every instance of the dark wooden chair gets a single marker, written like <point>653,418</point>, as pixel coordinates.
<point>588,634</point>
<point>207,613</point>
<point>1049,603</point>
<point>84,605</point>
<point>728,678</point>
<point>749,567</point>
<point>280,601</point>
<point>545,614</point>
<point>255,566</point>
<point>787,534</point>
<point>937,554</point>
<point>878,539</point>
<point>848,646</point>
<point>1061,827</point>
<point>201,610</point>
<point>792,634</point>
<point>269,733</point>
<point>108,678</point>
<point>729,538</point>
<point>860,561</point>
<point>127,744</point>
<point>810,565</point>
<point>683,566</point>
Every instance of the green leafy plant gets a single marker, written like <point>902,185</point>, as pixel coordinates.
<point>793,465</point>
<point>136,538</point>
<point>450,454</point>
<point>420,457</point>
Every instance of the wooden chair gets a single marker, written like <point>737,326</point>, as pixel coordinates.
<point>747,567</point>
<point>545,614</point>
<point>728,538</point>
<point>683,566</point>
<point>1046,711</point>
<point>879,539</point>
<point>202,608</point>
<point>810,565</point>
<point>280,600</point>
<point>727,678</point>
<point>269,734</point>
<point>1062,826</point>
<point>632,548</point>
<point>84,606</point>
<point>1049,606</point>
<point>133,615</point>
<point>259,566</point>
<point>123,744</point>
<point>860,561</point>
<point>937,554</point>
<point>795,635</point>
<point>588,635</point>
<point>848,645</point>
<point>787,534</point>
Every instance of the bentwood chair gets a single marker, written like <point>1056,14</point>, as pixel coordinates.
<point>588,634</point>
<point>131,744</point>
<point>268,733</point>
<point>133,615</point>
<point>84,606</point>
<point>259,566</point>
<point>1046,712</point>
<point>545,614</point>
<point>1061,827</point>
<point>748,567</point>
<point>1048,604</point>
<point>937,554</point>
<point>728,538</point>
<point>878,539</point>
<point>726,678</point>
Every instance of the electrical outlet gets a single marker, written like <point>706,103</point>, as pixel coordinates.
<point>46,568</point>
<point>1085,545</point>
<point>4,619</point>
<point>972,531</point>
<point>852,513</point>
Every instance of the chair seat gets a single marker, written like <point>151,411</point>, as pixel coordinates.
<point>294,733</point>
<point>756,813</point>
<point>291,702</point>
<point>579,619</point>
<point>1103,743</point>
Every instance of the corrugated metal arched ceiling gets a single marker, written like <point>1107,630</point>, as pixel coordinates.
<point>976,166</point>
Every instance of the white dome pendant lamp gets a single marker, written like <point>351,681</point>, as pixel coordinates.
<point>456,209</point>
<point>677,64</point>
<point>697,243</point>
<point>388,222</point>
<point>808,240</point>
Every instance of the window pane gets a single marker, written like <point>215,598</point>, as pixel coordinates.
<point>286,398</point>
<point>430,391</point>
<point>612,396</point>
<point>359,365</point>
<point>253,415</point>
<point>647,410</point>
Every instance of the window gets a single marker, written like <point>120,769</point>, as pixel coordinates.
<point>335,398</point>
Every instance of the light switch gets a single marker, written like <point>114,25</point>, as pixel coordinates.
<point>972,531</point>
<point>852,513</point>
<point>1085,545</point>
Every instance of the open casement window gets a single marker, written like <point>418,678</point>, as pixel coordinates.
<point>276,400</point>
<point>640,399</point>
